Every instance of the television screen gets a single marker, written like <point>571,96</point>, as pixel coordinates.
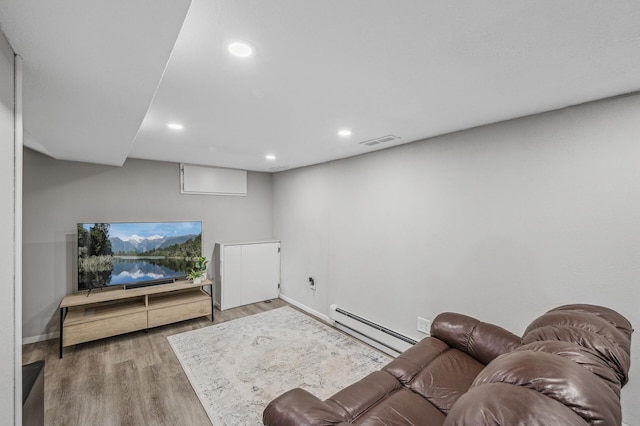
<point>121,253</point>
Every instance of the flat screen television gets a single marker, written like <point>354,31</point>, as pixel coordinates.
<point>132,254</point>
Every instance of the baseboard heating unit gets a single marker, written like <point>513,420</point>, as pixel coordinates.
<point>377,335</point>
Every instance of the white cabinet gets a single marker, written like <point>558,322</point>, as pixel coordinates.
<point>246,272</point>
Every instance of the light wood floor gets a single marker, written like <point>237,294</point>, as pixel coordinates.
<point>133,379</point>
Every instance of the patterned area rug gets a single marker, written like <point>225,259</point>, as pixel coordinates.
<point>238,366</point>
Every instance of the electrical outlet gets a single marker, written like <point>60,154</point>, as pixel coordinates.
<point>424,325</point>
<point>312,283</point>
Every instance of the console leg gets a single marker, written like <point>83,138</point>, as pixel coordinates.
<point>61,328</point>
<point>211,294</point>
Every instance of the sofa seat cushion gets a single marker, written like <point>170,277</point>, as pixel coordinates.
<point>446,378</point>
<point>403,407</point>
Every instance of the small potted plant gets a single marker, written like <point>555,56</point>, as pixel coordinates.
<point>199,269</point>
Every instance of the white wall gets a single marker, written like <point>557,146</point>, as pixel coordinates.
<point>301,222</point>
<point>502,222</point>
<point>60,194</point>
<point>8,380</point>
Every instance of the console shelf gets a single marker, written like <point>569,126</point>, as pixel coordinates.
<point>107,313</point>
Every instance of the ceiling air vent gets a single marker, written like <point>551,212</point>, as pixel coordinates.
<point>278,168</point>
<point>381,139</point>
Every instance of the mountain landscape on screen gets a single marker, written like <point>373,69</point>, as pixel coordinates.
<point>138,244</point>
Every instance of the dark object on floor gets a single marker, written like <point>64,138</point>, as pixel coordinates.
<point>33,394</point>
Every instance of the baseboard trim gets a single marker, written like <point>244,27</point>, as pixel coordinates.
<point>307,309</point>
<point>40,338</point>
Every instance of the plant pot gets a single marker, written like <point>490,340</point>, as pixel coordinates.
<point>197,280</point>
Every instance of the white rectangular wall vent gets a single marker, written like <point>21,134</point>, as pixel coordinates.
<point>206,180</point>
<point>381,139</point>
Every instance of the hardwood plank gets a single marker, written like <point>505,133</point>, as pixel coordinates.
<point>131,379</point>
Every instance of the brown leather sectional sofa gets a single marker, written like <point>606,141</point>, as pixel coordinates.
<point>567,369</point>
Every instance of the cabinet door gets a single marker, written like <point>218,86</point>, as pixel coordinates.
<point>260,272</point>
<point>231,277</point>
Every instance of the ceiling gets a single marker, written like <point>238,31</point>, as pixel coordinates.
<point>102,79</point>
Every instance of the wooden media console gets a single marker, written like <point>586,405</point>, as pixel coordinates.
<point>108,312</point>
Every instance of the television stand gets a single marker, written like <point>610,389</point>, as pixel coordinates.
<point>93,316</point>
<point>149,283</point>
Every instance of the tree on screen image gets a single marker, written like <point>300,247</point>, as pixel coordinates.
<point>100,245</point>
<point>95,261</point>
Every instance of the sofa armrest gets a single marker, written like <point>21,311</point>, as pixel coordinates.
<point>481,340</point>
<point>299,407</point>
<point>364,394</point>
<point>415,359</point>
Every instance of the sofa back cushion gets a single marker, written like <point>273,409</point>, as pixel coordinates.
<point>596,328</point>
<point>504,404</point>
<point>556,378</point>
<point>435,371</point>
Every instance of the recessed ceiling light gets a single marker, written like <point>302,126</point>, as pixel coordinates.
<point>240,49</point>
<point>344,133</point>
<point>270,157</point>
<point>175,126</point>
